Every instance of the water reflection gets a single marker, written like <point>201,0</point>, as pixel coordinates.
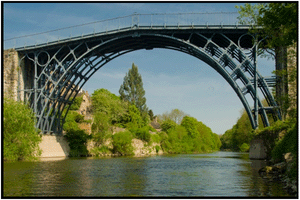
<point>217,174</point>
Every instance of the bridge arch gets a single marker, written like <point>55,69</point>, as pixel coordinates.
<point>62,70</point>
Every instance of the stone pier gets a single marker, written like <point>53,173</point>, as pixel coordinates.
<point>257,150</point>
<point>54,146</point>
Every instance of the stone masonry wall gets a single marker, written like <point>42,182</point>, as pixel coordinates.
<point>16,75</point>
<point>11,72</point>
<point>54,146</point>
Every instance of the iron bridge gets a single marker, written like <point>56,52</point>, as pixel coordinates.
<point>63,65</point>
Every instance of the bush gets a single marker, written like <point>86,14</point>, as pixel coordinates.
<point>244,147</point>
<point>289,143</point>
<point>96,151</point>
<point>168,125</point>
<point>71,121</point>
<point>77,140</point>
<point>143,134</point>
<point>157,148</point>
<point>122,143</point>
<point>190,124</point>
<point>155,138</point>
<point>100,137</point>
<point>20,137</point>
<point>76,103</point>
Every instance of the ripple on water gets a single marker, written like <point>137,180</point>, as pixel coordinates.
<point>216,174</point>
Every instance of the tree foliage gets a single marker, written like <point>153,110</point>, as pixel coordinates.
<point>191,136</point>
<point>240,134</point>
<point>76,103</point>
<point>151,115</point>
<point>20,137</point>
<point>77,140</point>
<point>122,143</point>
<point>175,115</point>
<point>279,21</point>
<point>108,104</point>
<point>132,90</point>
<point>72,119</point>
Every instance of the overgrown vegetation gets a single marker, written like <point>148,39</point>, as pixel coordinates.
<point>190,136</point>
<point>122,143</point>
<point>20,137</point>
<point>238,138</point>
<point>77,140</point>
<point>76,137</point>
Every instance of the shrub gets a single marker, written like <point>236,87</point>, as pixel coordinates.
<point>244,147</point>
<point>155,138</point>
<point>157,148</point>
<point>168,125</point>
<point>96,151</point>
<point>190,124</point>
<point>71,120</point>
<point>20,137</point>
<point>76,103</point>
<point>287,144</point>
<point>101,127</point>
<point>143,134</point>
<point>122,143</point>
<point>77,140</point>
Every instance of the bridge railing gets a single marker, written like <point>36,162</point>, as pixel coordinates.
<point>119,23</point>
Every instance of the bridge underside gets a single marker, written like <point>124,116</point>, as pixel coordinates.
<point>62,68</point>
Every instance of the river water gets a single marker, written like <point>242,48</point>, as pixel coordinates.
<point>225,174</point>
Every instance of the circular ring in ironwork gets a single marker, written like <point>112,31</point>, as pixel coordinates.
<point>240,40</point>
<point>39,58</point>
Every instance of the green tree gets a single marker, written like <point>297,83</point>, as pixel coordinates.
<point>77,140</point>
<point>122,143</point>
<point>109,104</point>
<point>101,128</point>
<point>132,90</point>
<point>151,115</point>
<point>167,125</point>
<point>76,103</point>
<point>134,118</point>
<point>279,21</point>
<point>72,119</point>
<point>20,137</point>
<point>190,124</point>
<point>175,115</point>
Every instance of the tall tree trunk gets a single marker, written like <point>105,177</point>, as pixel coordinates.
<point>281,80</point>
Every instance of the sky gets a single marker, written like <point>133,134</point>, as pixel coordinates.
<point>171,79</point>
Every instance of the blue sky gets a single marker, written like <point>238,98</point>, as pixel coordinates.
<point>171,79</point>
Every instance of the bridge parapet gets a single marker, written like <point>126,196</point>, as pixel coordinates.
<point>179,20</point>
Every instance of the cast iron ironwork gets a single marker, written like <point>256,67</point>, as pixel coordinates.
<point>62,67</point>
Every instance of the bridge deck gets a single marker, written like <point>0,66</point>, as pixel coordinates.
<point>233,32</point>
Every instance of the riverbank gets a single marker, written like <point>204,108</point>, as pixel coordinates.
<point>140,149</point>
<point>277,172</point>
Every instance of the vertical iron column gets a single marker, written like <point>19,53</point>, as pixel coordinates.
<point>35,86</point>
<point>255,85</point>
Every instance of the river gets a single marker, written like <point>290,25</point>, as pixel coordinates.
<point>226,174</point>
